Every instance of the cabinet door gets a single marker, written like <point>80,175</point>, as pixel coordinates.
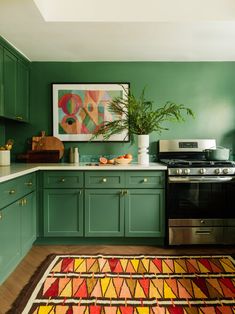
<point>144,213</point>
<point>22,104</point>
<point>1,81</point>
<point>10,81</point>
<point>63,212</point>
<point>9,239</point>
<point>28,221</point>
<point>104,213</point>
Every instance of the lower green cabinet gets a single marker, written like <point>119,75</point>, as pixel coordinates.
<point>63,212</point>
<point>104,213</point>
<point>28,221</point>
<point>104,204</point>
<point>10,249</point>
<point>144,214</point>
<point>17,232</point>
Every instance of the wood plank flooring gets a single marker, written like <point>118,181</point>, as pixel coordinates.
<point>16,281</point>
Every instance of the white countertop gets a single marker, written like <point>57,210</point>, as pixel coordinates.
<point>18,169</point>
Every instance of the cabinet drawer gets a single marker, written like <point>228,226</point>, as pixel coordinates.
<point>14,189</point>
<point>104,179</point>
<point>63,179</point>
<point>145,179</point>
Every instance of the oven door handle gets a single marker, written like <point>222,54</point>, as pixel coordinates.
<point>200,179</point>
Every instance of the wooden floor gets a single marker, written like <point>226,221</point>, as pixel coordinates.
<point>13,285</point>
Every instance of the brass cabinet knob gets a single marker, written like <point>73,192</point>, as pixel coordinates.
<point>145,180</point>
<point>1,216</point>
<point>104,180</point>
<point>12,191</point>
<point>21,202</point>
<point>25,201</point>
<point>62,180</point>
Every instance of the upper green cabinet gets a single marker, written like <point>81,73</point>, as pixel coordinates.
<point>14,84</point>
<point>1,80</point>
<point>10,83</point>
<point>22,102</point>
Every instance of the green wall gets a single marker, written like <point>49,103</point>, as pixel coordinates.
<point>206,87</point>
<point>2,133</point>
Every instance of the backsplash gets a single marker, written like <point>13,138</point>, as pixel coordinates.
<point>95,158</point>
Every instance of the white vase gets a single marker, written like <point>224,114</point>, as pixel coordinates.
<point>143,150</point>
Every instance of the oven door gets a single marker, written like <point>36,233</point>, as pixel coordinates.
<point>200,197</point>
<point>201,210</point>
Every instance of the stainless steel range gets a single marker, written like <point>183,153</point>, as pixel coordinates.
<point>200,194</point>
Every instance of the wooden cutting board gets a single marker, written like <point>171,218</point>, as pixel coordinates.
<point>47,143</point>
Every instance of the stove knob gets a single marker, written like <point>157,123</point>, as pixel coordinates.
<point>218,171</point>
<point>202,171</point>
<point>178,171</point>
<point>225,171</point>
<point>186,171</point>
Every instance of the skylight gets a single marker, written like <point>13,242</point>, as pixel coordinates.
<point>136,10</point>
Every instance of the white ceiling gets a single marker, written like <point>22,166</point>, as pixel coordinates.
<point>123,30</point>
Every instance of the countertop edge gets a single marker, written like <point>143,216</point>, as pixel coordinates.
<point>16,170</point>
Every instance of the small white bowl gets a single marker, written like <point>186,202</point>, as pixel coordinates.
<point>123,161</point>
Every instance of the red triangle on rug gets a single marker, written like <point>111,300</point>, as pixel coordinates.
<point>67,264</point>
<point>158,263</point>
<point>206,263</point>
<point>53,290</point>
<point>145,285</point>
<point>201,283</point>
<point>126,309</point>
<point>112,263</point>
<point>82,290</point>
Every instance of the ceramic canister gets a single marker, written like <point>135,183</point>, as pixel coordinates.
<point>5,158</point>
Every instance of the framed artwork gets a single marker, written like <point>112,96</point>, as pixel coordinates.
<point>79,109</point>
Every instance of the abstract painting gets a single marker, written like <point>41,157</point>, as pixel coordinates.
<point>80,109</point>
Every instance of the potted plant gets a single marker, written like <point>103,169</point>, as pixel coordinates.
<point>139,117</point>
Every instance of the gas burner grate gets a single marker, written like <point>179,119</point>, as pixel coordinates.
<point>197,163</point>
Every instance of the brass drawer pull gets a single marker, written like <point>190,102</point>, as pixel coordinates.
<point>19,118</point>
<point>29,183</point>
<point>21,202</point>
<point>12,191</point>
<point>145,180</point>
<point>62,180</point>
<point>25,201</point>
<point>1,216</point>
<point>104,180</point>
<point>125,192</point>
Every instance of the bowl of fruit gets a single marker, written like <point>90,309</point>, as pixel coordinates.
<point>124,159</point>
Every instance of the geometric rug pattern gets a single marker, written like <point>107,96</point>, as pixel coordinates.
<point>137,284</point>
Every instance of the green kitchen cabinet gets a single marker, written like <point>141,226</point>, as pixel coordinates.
<point>104,213</point>
<point>63,212</point>
<point>63,179</point>
<point>22,103</point>
<point>1,81</point>
<point>14,83</point>
<point>144,212</point>
<point>10,241</point>
<point>17,221</point>
<point>28,221</point>
<point>10,84</point>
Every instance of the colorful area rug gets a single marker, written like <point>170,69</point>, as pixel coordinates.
<point>103,284</point>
